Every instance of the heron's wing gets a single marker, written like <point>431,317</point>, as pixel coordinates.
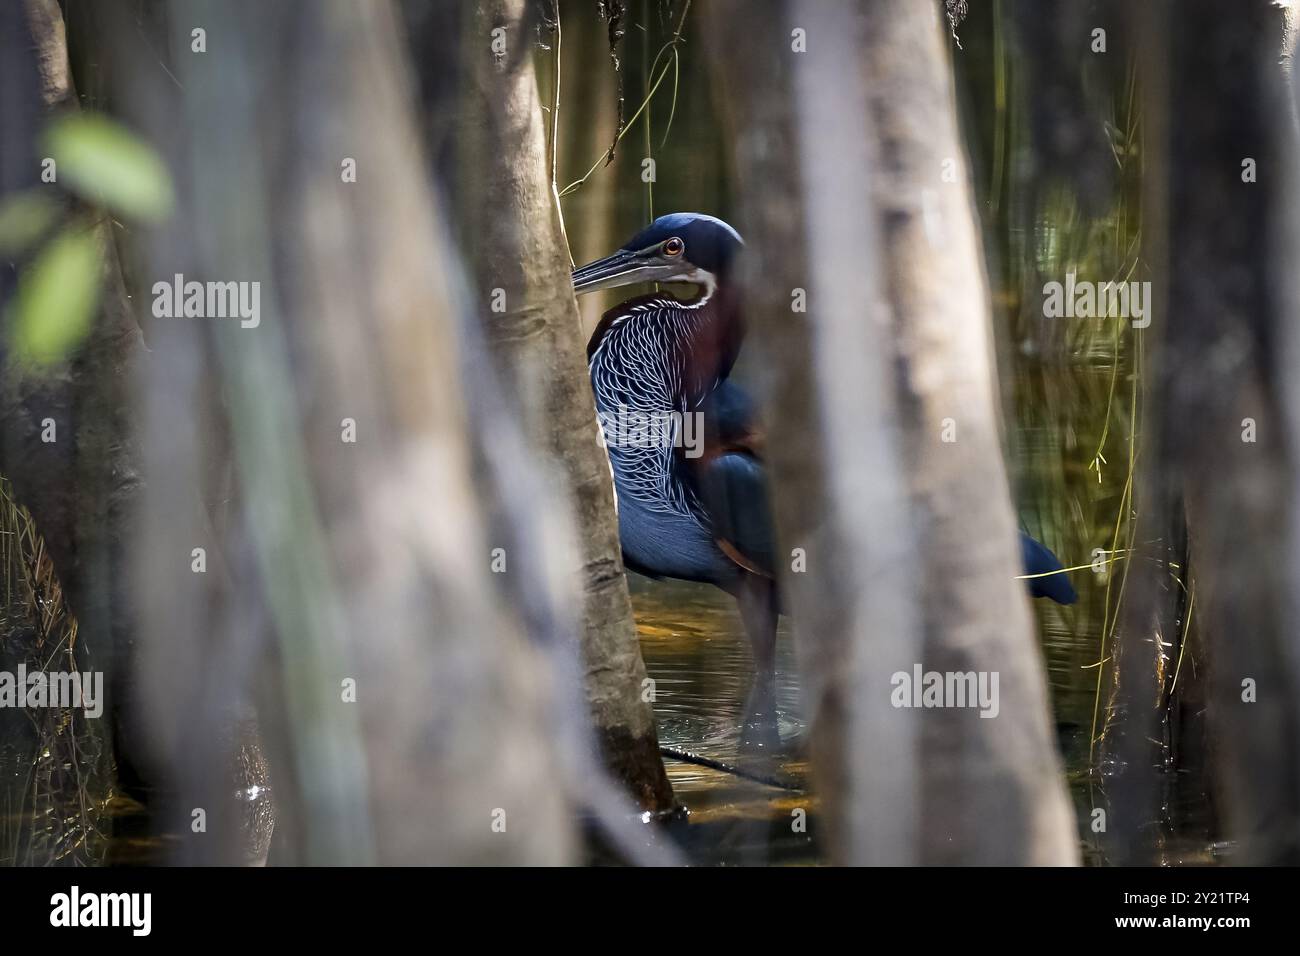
<point>731,481</point>
<point>731,421</point>
<point>734,487</point>
<point>1039,560</point>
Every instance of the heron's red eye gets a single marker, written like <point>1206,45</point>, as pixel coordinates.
<point>674,247</point>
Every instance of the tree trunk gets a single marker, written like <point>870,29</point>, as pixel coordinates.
<point>518,248</point>
<point>398,674</point>
<point>1286,59</point>
<point>1222,433</point>
<point>866,185</point>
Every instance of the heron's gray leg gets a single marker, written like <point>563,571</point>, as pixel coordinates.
<point>757,599</point>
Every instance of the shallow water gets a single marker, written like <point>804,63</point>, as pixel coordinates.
<point>695,650</point>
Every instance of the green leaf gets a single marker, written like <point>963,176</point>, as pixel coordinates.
<point>56,298</point>
<point>24,218</point>
<point>107,164</point>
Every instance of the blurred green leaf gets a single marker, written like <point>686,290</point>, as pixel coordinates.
<point>107,164</point>
<point>56,298</point>
<point>24,218</point>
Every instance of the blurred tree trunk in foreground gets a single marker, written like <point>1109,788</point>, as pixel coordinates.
<point>862,181</point>
<point>839,490</point>
<point>1223,166</point>
<point>518,250</point>
<point>418,724</point>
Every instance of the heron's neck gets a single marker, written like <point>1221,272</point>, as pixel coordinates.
<point>704,291</point>
<point>720,297</point>
<point>723,329</point>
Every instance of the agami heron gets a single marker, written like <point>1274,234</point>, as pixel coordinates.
<point>702,516</point>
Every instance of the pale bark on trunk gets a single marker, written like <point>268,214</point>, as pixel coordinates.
<point>1286,59</point>
<point>367,560</point>
<point>514,237</point>
<point>986,790</point>
<point>834,445</point>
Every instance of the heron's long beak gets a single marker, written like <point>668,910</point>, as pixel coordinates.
<point>625,267</point>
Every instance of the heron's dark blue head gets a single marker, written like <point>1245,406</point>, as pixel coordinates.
<point>679,247</point>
